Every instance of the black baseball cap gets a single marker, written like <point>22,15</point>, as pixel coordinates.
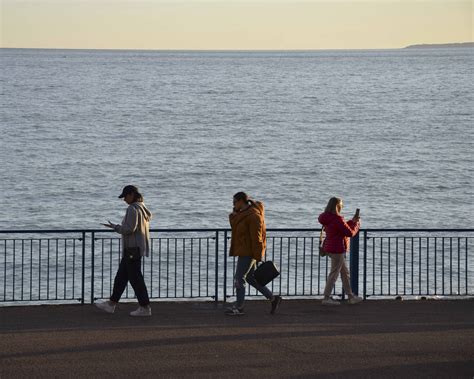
<point>128,190</point>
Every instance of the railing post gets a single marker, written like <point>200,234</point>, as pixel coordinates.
<point>354,264</point>
<point>216,295</point>
<point>225,266</point>
<point>365,265</point>
<point>92,265</point>
<point>83,267</point>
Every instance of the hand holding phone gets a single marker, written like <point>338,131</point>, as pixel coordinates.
<point>356,215</point>
<point>109,225</point>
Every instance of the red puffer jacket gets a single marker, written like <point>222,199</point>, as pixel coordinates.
<point>338,232</point>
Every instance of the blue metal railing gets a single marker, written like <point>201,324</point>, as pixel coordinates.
<point>417,262</point>
<point>40,266</point>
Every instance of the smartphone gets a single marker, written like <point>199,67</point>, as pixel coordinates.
<point>357,214</point>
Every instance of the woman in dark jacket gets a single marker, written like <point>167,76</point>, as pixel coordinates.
<point>336,244</point>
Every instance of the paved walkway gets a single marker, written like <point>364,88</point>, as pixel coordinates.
<point>375,339</point>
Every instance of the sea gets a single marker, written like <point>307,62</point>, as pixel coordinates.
<point>389,131</point>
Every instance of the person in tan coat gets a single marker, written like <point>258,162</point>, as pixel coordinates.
<point>248,244</point>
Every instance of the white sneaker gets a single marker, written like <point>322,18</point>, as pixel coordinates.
<point>330,302</point>
<point>355,300</point>
<point>141,312</point>
<point>106,307</point>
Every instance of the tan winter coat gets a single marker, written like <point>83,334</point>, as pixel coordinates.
<point>249,235</point>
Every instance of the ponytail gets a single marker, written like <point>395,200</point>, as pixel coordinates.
<point>138,197</point>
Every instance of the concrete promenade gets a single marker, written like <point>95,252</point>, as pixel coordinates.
<point>374,339</point>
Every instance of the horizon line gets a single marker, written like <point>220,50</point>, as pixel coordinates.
<point>236,50</point>
<point>197,50</point>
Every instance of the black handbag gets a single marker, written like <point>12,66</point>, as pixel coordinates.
<point>132,253</point>
<point>265,273</point>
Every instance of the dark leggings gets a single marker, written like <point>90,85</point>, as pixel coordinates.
<point>130,271</point>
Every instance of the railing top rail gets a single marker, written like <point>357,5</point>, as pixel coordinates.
<point>105,230</point>
<point>153,230</point>
<point>417,230</point>
<point>190,230</point>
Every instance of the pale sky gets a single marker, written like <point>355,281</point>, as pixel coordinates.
<point>233,25</point>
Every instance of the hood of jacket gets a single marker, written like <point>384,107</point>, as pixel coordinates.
<point>258,208</point>
<point>255,209</point>
<point>146,212</point>
<point>327,218</point>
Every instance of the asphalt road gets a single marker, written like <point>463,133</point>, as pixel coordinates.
<point>375,339</point>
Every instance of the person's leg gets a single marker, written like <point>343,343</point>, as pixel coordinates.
<point>243,266</point>
<point>336,263</point>
<point>250,278</point>
<point>135,277</point>
<point>345,277</point>
<point>120,281</point>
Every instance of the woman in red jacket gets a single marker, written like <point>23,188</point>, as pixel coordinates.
<point>336,244</point>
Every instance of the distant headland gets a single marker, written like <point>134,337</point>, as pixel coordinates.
<point>441,45</point>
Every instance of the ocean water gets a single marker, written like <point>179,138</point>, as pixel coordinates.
<point>389,131</point>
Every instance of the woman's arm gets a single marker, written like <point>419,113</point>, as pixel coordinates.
<point>130,222</point>
<point>348,229</point>
<point>256,236</point>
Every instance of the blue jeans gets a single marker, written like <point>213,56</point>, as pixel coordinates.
<point>244,274</point>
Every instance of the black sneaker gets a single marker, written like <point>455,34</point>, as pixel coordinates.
<point>275,304</point>
<point>234,311</point>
